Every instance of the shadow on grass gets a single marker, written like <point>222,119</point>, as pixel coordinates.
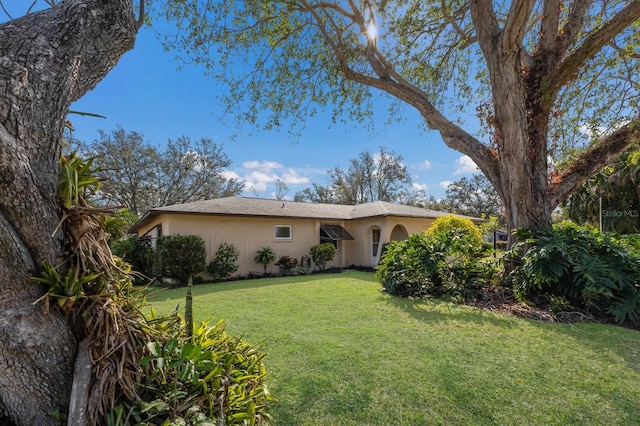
<point>430,310</point>
<point>607,340</point>
<point>161,294</point>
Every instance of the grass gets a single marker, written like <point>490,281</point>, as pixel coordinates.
<point>341,352</point>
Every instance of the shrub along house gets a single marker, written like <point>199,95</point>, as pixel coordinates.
<point>290,228</point>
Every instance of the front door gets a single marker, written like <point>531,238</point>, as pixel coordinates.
<point>375,247</point>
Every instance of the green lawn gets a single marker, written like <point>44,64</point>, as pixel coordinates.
<point>341,352</point>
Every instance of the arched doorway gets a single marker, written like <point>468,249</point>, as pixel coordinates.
<point>399,233</point>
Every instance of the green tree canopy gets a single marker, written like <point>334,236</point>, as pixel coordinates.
<point>474,196</point>
<point>370,177</point>
<point>140,176</point>
<point>537,73</point>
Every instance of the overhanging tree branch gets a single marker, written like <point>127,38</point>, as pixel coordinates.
<point>592,160</point>
<point>592,45</point>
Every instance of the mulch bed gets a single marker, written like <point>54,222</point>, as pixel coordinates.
<point>502,300</point>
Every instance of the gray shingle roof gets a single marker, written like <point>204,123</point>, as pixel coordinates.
<point>261,207</point>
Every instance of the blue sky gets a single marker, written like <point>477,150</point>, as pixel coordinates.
<point>147,93</point>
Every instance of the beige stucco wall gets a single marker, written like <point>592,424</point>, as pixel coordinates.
<point>250,234</point>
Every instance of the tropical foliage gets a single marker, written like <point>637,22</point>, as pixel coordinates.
<point>594,272</point>
<point>449,260</point>
<point>208,378</point>
<point>144,369</point>
<point>264,257</point>
<point>287,265</point>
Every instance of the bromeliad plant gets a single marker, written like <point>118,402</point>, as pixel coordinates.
<point>150,366</point>
<point>95,291</point>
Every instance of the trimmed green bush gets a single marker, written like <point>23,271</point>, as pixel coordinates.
<point>410,267</point>
<point>464,226</point>
<point>594,272</point>
<point>137,251</point>
<point>224,263</point>
<point>179,257</point>
<point>321,254</point>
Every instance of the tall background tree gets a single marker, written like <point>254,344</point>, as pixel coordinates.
<point>48,59</point>
<point>537,71</point>
<point>370,177</point>
<point>140,176</point>
<point>474,196</point>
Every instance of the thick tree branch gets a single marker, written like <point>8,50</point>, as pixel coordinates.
<point>549,32</point>
<point>592,45</point>
<point>514,28</point>
<point>486,25</point>
<point>592,160</point>
<point>574,24</point>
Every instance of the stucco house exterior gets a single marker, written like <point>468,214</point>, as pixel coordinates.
<point>289,228</point>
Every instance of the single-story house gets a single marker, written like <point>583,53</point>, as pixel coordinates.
<point>290,228</point>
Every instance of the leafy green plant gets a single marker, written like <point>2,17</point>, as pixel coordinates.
<point>208,378</point>
<point>593,271</point>
<point>286,265</point>
<point>264,257</point>
<point>304,266</point>
<point>410,267</point>
<point>224,262</point>
<point>464,227</point>
<point>65,289</point>
<point>118,224</point>
<point>77,179</point>
<point>450,261</point>
<point>321,254</point>
<point>179,257</point>
<point>138,252</point>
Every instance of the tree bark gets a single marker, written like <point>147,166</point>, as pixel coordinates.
<point>524,88</point>
<point>47,60</point>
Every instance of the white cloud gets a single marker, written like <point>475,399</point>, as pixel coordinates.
<point>264,166</point>
<point>419,186</point>
<point>292,177</point>
<point>228,174</point>
<point>426,165</point>
<point>255,187</point>
<point>445,184</point>
<point>465,165</point>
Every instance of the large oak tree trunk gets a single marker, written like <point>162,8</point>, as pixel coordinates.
<point>47,60</point>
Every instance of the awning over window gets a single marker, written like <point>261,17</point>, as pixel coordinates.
<point>334,232</point>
